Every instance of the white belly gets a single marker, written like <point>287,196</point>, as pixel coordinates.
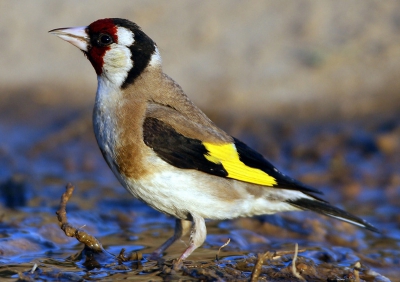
<point>179,192</point>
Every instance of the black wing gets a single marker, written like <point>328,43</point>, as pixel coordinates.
<point>188,153</point>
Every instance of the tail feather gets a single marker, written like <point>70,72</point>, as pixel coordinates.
<point>326,209</point>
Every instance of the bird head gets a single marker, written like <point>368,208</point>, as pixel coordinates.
<point>117,48</point>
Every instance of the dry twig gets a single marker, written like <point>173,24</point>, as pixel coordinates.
<point>223,246</point>
<point>356,271</point>
<point>294,270</point>
<point>270,255</point>
<point>82,236</point>
<point>258,266</point>
<point>34,268</point>
<point>278,254</point>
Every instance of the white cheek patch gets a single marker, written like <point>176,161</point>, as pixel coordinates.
<point>117,64</point>
<point>125,36</point>
<point>155,58</point>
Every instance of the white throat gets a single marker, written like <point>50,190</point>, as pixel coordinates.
<point>117,64</point>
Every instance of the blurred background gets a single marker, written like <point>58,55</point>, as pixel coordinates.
<point>312,85</point>
<point>259,57</point>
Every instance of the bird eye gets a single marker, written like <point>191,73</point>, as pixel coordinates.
<point>104,39</point>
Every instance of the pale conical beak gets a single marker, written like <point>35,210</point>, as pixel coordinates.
<point>77,36</point>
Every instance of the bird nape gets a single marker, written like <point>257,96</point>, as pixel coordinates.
<point>167,152</point>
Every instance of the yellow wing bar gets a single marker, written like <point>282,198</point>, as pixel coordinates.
<point>228,156</point>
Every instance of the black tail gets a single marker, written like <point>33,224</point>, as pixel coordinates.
<point>327,209</point>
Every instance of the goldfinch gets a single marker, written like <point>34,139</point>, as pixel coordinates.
<point>167,152</point>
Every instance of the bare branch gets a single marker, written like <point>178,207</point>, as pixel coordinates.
<point>69,230</point>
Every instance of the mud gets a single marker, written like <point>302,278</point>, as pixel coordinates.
<point>354,162</point>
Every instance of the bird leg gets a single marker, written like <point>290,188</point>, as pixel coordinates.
<point>197,237</point>
<point>182,227</point>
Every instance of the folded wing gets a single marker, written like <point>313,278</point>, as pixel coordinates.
<point>233,159</point>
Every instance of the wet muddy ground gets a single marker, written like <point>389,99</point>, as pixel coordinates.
<point>356,163</point>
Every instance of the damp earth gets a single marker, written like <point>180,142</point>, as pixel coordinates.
<point>355,162</point>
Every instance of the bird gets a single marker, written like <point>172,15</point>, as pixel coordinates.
<point>166,152</point>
